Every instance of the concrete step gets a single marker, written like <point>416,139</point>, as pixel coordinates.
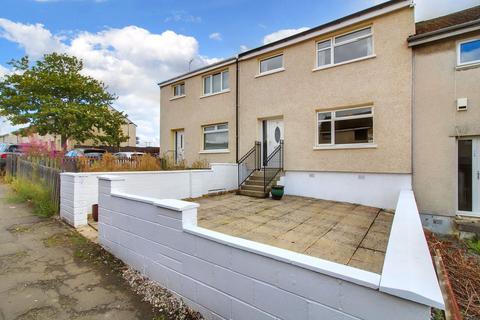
<point>251,193</point>
<point>253,187</point>
<point>468,225</point>
<point>253,182</point>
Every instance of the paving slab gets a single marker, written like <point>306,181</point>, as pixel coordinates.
<point>345,233</point>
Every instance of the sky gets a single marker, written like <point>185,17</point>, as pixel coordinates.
<point>131,45</point>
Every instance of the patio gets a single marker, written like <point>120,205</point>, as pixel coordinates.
<point>345,233</point>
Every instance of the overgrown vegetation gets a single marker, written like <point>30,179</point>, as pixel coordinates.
<point>34,193</point>
<point>473,245</point>
<point>108,163</point>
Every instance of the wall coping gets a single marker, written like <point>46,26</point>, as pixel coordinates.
<point>333,269</point>
<point>408,270</point>
<point>85,174</point>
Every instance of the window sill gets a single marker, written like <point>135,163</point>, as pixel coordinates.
<point>214,151</point>
<point>269,72</point>
<point>347,146</point>
<point>468,66</point>
<point>177,97</point>
<point>214,94</point>
<point>343,63</point>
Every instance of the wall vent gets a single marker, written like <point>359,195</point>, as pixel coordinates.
<point>462,104</point>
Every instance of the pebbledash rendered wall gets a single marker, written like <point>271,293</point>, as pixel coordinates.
<point>225,277</point>
<point>79,191</point>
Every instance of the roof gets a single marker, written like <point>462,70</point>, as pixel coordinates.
<point>310,33</point>
<point>450,20</point>
<point>197,71</point>
<point>453,24</point>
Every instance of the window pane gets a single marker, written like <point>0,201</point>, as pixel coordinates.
<point>271,64</point>
<point>353,50</point>
<point>353,112</point>
<point>353,35</point>
<point>206,85</point>
<point>354,131</point>
<point>470,51</point>
<point>209,128</point>
<point>324,116</point>
<point>175,91</point>
<point>217,83</point>
<point>324,45</point>
<point>182,89</point>
<point>215,140</point>
<point>323,57</point>
<point>324,132</point>
<point>465,175</point>
<point>222,126</point>
<point>225,80</point>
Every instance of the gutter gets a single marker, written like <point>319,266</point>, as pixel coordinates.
<point>237,87</point>
<point>444,33</point>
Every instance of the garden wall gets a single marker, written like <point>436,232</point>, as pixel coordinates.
<point>225,277</point>
<point>79,191</point>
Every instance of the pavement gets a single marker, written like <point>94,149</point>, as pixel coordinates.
<point>345,233</point>
<point>45,272</point>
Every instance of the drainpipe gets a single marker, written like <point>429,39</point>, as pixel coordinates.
<point>236,108</point>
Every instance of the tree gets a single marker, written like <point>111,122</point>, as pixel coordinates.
<point>54,97</point>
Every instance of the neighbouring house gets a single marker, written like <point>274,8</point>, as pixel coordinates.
<point>331,94</point>
<point>129,129</point>
<point>446,116</point>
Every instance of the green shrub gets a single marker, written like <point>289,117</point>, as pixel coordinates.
<point>35,194</point>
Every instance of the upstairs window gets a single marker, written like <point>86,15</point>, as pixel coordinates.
<point>215,137</point>
<point>347,47</point>
<point>179,90</point>
<point>469,52</point>
<point>271,64</point>
<point>349,126</point>
<point>215,83</point>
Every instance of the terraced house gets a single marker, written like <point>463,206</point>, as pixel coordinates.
<point>331,106</point>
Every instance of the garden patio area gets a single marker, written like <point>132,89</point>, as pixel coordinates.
<point>345,233</point>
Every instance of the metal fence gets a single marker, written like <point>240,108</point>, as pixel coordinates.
<point>38,172</point>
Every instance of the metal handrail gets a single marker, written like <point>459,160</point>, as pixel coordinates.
<point>255,151</point>
<point>278,151</point>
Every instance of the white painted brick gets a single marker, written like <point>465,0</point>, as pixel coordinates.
<point>280,303</point>
<point>243,311</point>
<point>234,284</point>
<point>213,251</point>
<point>255,266</point>
<point>214,300</point>
<point>318,311</point>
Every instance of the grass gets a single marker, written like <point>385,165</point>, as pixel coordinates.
<point>33,193</point>
<point>473,245</point>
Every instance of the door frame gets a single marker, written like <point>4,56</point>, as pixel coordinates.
<point>475,177</point>
<point>263,132</point>
<point>175,140</point>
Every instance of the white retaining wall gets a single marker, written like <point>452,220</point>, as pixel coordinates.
<point>225,277</point>
<point>79,191</point>
<point>372,189</point>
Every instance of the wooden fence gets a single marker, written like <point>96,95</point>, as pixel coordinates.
<point>38,172</point>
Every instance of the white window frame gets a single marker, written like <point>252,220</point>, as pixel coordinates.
<point>260,73</point>
<point>211,93</point>
<point>333,45</point>
<point>459,45</point>
<point>178,85</point>
<point>216,130</point>
<point>332,144</point>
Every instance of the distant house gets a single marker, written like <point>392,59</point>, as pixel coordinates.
<point>129,129</point>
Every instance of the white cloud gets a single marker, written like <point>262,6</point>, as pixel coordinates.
<point>428,9</point>
<point>182,16</point>
<point>3,71</point>
<point>280,34</point>
<point>216,36</point>
<point>243,48</point>
<point>130,60</point>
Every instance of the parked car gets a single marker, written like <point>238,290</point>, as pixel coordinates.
<point>9,149</point>
<point>128,155</point>
<point>84,152</point>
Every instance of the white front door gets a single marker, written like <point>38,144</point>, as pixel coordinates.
<point>272,134</point>
<point>179,145</point>
<point>469,176</point>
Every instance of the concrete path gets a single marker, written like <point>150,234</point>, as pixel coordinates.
<point>44,273</point>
